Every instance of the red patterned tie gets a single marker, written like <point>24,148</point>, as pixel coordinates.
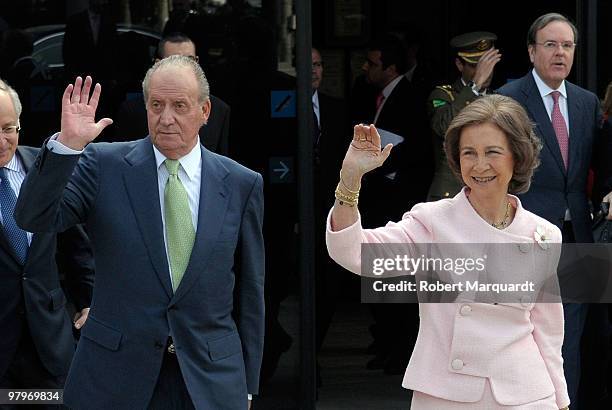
<point>560,127</point>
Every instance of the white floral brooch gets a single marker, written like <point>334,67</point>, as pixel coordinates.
<point>543,237</point>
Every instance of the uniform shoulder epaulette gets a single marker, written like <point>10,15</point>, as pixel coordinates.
<point>448,90</point>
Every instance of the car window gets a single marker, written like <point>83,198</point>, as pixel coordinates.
<point>48,50</point>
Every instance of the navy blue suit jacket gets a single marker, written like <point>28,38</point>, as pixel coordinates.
<point>215,317</point>
<point>553,189</point>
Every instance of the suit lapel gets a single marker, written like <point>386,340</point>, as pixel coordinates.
<point>214,199</point>
<point>576,120</point>
<point>536,108</point>
<point>143,191</point>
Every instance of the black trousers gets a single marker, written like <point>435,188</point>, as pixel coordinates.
<point>26,371</point>
<point>170,391</point>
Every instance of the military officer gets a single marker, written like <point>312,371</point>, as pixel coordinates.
<point>475,59</point>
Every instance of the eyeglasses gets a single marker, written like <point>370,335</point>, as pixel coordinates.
<point>10,130</point>
<point>552,45</point>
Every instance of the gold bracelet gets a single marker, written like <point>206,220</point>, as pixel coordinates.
<point>346,187</point>
<point>344,199</point>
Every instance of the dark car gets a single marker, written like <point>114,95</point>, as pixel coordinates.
<point>49,39</point>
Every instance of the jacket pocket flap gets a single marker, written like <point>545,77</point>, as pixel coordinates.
<point>224,346</point>
<point>58,299</point>
<point>100,333</point>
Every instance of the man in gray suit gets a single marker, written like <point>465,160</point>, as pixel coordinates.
<point>177,316</point>
<point>567,120</point>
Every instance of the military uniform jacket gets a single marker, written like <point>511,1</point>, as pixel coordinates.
<point>444,102</point>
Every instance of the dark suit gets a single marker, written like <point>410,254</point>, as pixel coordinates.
<point>552,191</point>
<point>552,188</point>
<point>384,199</point>
<point>32,302</point>
<point>84,56</point>
<point>216,315</point>
<point>330,149</point>
<point>131,124</point>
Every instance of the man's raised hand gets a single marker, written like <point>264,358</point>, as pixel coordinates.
<point>79,126</point>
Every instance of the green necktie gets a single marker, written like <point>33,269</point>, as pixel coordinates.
<point>180,233</point>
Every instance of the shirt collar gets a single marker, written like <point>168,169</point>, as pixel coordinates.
<point>544,89</point>
<point>389,88</point>
<point>14,164</point>
<point>189,162</point>
<point>315,99</point>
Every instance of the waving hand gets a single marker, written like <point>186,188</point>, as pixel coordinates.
<point>79,126</point>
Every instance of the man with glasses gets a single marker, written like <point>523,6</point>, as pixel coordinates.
<point>131,121</point>
<point>37,342</point>
<point>475,60</point>
<point>568,119</point>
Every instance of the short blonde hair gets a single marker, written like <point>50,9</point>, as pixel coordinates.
<point>511,118</point>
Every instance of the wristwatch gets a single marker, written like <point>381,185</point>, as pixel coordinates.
<point>473,86</point>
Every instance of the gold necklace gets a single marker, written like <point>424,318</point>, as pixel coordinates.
<point>504,222</point>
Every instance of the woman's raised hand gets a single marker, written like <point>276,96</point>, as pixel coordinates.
<point>364,153</point>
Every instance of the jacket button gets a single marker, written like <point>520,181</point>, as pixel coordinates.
<point>158,345</point>
<point>457,364</point>
<point>465,310</point>
<point>524,247</point>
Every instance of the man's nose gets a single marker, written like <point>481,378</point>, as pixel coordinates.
<point>167,116</point>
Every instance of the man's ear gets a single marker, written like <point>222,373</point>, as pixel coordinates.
<point>459,64</point>
<point>206,110</point>
<point>531,51</point>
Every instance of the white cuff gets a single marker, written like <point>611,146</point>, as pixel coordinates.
<point>58,148</point>
<point>250,396</point>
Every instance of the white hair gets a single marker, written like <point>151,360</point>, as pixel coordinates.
<point>179,61</point>
<point>14,97</point>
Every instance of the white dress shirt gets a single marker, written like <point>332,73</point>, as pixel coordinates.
<point>190,175</point>
<point>315,107</point>
<point>545,93</point>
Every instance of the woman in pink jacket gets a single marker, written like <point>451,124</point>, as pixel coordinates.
<point>471,355</point>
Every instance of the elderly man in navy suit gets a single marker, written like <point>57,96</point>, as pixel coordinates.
<point>568,120</point>
<point>177,316</point>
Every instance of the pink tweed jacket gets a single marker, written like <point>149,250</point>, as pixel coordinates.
<point>516,346</point>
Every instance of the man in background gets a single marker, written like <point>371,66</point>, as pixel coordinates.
<point>568,120</point>
<point>475,60</point>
